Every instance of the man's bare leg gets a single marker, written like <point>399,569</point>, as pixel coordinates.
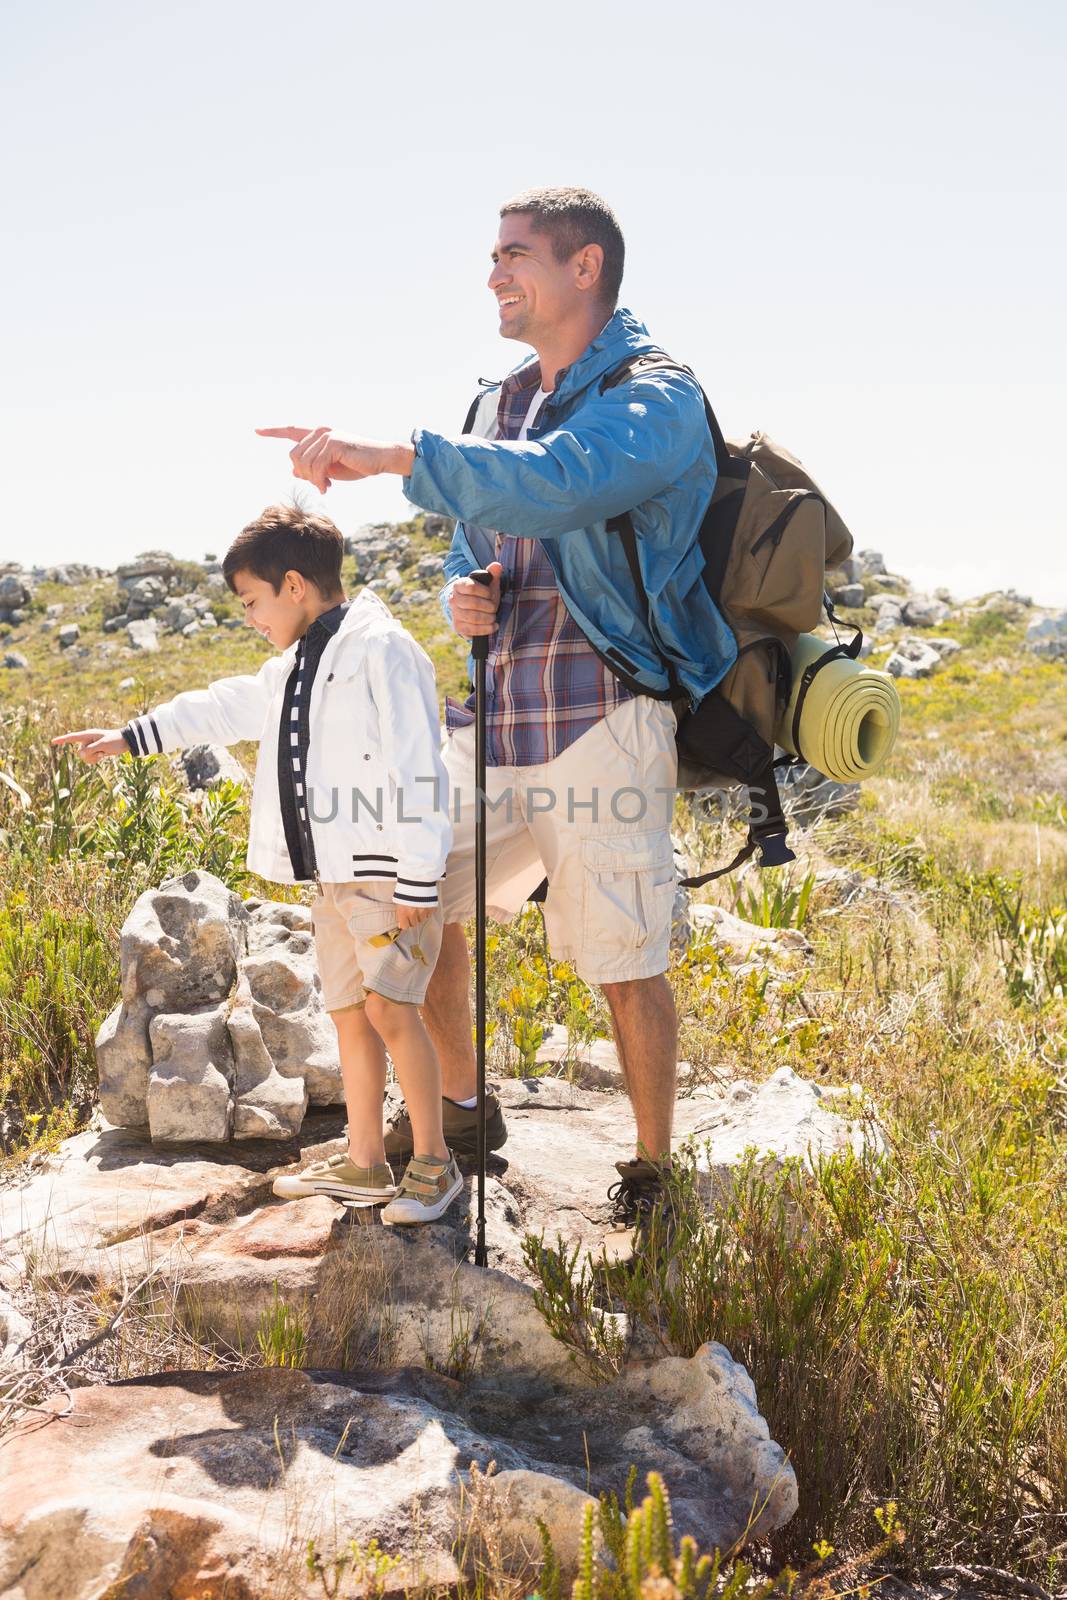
<point>645,1024</point>
<point>446,1012</point>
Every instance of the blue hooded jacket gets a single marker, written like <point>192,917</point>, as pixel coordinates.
<point>643,447</point>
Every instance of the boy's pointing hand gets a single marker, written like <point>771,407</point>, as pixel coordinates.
<point>322,457</point>
<point>95,743</point>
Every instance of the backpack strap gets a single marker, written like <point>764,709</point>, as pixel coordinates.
<point>836,652</point>
<point>659,361</point>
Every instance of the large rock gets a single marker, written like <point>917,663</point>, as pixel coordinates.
<point>195,960</point>
<point>190,1483</point>
<point>68,635</point>
<point>739,941</point>
<point>705,1409</point>
<point>785,1118</point>
<point>150,564</point>
<point>180,943</point>
<point>144,595</point>
<point>922,611</point>
<point>15,591</point>
<point>283,990</point>
<point>913,658</point>
<point>945,647</point>
<point>809,796</point>
<point>268,1104</point>
<point>177,614</point>
<point>1047,636</point>
<point>14,659</point>
<point>196,1483</point>
<point>205,765</point>
<point>190,1086</point>
<point>143,635</point>
<point>124,1061</point>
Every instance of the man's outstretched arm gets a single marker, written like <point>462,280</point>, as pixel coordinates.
<point>630,444</point>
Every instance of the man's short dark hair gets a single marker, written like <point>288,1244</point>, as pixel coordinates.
<point>573,218</point>
<point>288,539</point>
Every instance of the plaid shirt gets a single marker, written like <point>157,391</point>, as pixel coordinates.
<point>545,685</point>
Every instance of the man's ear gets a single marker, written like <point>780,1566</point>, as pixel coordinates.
<point>589,264</point>
<point>295,585</point>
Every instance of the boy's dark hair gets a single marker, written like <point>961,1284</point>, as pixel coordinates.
<point>288,539</point>
<point>572,218</point>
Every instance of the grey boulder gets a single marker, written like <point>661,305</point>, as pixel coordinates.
<point>205,765</point>
<point>922,611</point>
<point>180,943</point>
<point>1047,636</point>
<point>913,658</point>
<point>189,1094</point>
<point>143,635</point>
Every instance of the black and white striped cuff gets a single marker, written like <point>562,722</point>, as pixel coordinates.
<point>143,737</point>
<point>415,892</point>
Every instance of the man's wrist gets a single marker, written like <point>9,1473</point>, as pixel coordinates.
<point>398,458</point>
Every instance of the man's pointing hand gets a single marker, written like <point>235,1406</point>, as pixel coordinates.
<point>323,457</point>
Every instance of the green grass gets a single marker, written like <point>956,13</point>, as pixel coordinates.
<point>907,1341</point>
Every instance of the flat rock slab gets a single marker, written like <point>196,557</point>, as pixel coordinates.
<point>105,1188</point>
<point>201,1483</point>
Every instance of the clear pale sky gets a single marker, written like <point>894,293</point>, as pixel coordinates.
<point>849,218</point>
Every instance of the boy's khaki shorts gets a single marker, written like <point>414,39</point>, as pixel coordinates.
<point>596,821</point>
<point>345,917</point>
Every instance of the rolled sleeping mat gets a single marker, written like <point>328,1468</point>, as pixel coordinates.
<point>849,716</point>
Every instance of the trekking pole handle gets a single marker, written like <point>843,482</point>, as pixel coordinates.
<point>480,642</point>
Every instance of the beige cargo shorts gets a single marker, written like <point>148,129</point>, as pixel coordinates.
<point>596,821</point>
<point>345,918</point>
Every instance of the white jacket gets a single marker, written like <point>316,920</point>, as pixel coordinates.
<point>376,785</point>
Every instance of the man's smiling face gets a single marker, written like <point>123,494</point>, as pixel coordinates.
<point>534,291</point>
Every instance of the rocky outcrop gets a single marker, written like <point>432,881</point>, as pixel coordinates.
<point>421,1369</point>
<point>1047,636</point>
<point>220,1032</point>
<point>207,1482</point>
<point>787,1118</point>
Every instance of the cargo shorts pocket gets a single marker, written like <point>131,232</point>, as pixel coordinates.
<point>366,915</point>
<point>627,890</point>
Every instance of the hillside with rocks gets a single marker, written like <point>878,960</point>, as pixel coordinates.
<point>850,1364</point>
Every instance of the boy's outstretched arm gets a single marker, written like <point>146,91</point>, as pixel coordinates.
<point>95,743</point>
<point>227,711</point>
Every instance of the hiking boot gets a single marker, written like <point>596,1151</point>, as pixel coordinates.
<point>642,1216</point>
<point>460,1126</point>
<point>426,1191</point>
<point>342,1180</point>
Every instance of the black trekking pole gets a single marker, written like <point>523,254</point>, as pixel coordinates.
<point>480,650</point>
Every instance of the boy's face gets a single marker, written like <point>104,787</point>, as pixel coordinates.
<point>283,617</point>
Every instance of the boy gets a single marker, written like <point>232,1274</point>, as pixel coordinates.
<point>347,793</point>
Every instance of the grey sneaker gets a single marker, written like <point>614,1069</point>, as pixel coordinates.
<point>341,1179</point>
<point>426,1191</point>
<point>460,1126</point>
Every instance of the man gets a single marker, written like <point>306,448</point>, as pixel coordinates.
<point>582,666</point>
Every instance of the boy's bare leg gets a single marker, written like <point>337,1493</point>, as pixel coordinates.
<point>645,1024</point>
<point>446,1012</point>
<point>417,1069</point>
<point>363,1068</point>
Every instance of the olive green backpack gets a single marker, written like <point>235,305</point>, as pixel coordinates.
<point>768,537</point>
